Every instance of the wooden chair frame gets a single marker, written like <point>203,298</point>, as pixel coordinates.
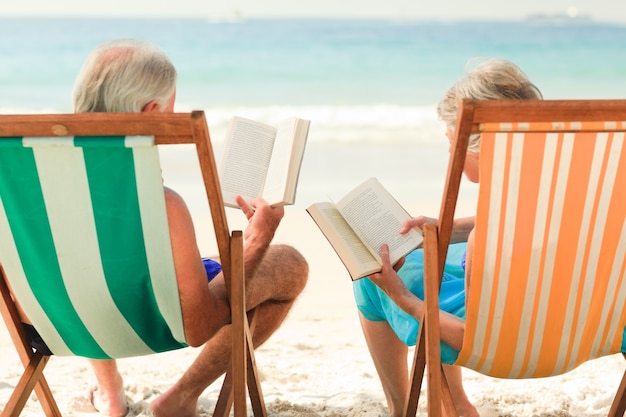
<point>172,128</point>
<point>437,237</point>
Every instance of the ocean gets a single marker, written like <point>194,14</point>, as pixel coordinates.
<point>369,87</point>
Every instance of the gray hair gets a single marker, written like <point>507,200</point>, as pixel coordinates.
<point>123,76</point>
<point>490,79</point>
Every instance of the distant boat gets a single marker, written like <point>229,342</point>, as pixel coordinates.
<point>569,17</point>
<point>235,16</point>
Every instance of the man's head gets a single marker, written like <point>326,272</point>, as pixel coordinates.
<point>125,75</point>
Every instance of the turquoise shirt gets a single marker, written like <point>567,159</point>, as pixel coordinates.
<point>375,305</point>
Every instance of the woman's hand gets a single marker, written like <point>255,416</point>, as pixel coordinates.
<point>416,223</point>
<point>388,279</point>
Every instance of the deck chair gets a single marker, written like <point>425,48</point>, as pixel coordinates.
<point>548,282</point>
<point>82,216</point>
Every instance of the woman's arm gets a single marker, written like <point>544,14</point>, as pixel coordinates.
<point>452,327</point>
<point>461,229</point>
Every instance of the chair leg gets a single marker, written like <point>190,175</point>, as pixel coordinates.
<point>11,317</point>
<point>618,408</point>
<point>434,375</point>
<point>25,386</point>
<point>242,373</point>
<point>47,401</point>
<point>448,403</point>
<point>226,397</point>
<point>238,326</point>
<point>430,321</point>
<point>254,384</point>
<point>417,376</point>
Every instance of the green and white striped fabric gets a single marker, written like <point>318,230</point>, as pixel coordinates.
<point>85,244</point>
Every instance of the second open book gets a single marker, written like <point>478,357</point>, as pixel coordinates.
<point>358,225</point>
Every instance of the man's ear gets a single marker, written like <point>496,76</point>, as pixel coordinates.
<point>151,106</point>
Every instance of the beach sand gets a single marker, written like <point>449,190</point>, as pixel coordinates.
<point>317,363</point>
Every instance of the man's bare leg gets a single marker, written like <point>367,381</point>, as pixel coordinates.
<point>279,280</point>
<point>109,398</point>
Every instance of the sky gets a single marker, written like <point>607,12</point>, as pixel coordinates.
<point>598,10</point>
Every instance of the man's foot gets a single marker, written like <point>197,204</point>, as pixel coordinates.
<point>169,404</point>
<point>109,404</point>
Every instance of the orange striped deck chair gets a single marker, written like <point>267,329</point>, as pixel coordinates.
<point>85,245</point>
<point>548,282</point>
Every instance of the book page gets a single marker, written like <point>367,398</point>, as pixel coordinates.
<point>376,217</point>
<point>284,169</point>
<point>355,256</point>
<point>246,159</point>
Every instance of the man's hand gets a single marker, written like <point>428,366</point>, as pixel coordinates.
<point>263,219</point>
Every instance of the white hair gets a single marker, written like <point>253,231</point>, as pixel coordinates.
<point>123,76</point>
<point>490,79</point>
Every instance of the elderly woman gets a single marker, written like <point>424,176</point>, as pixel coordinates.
<point>390,302</point>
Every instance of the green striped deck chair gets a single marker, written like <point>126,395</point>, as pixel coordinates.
<point>548,280</point>
<point>85,247</point>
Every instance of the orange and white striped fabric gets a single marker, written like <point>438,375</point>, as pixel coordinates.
<point>548,281</point>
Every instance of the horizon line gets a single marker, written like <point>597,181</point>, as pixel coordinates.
<point>238,17</point>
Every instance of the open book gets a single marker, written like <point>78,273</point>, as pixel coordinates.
<point>260,160</point>
<point>358,224</point>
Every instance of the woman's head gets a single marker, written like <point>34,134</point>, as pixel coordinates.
<point>489,79</point>
<point>124,75</point>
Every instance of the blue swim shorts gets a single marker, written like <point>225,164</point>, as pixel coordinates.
<point>375,305</point>
<point>212,268</point>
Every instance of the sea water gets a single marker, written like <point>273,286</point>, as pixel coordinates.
<point>369,87</point>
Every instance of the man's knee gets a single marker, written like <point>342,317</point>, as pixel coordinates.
<point>288,263</point>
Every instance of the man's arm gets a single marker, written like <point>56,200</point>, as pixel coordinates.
<point>204,311</point>
<point>263,220</point>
